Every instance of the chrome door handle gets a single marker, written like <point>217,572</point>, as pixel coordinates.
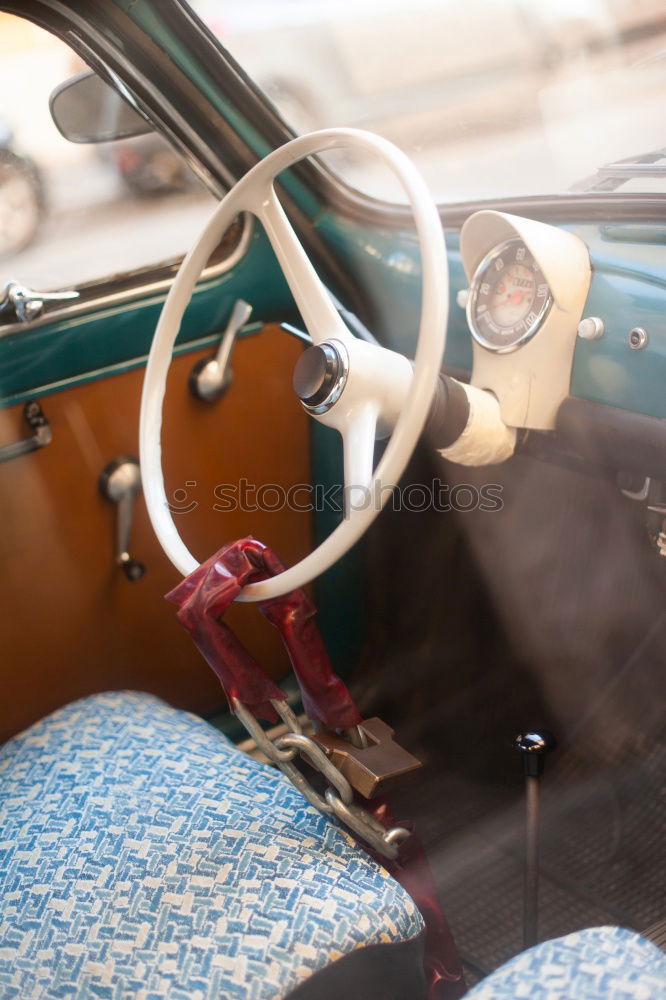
<point>29,305</point>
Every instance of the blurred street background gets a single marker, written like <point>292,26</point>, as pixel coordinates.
<point>491,97</point>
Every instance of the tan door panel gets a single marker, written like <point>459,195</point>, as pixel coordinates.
<point>72,623</point>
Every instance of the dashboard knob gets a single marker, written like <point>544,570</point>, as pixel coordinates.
<point>132,568</point>
<point>591,328</point>
<point>533,746</point>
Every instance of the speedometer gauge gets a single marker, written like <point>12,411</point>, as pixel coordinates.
<point>509,298</point>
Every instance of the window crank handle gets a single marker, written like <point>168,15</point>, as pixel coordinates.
<point>211,377</point>
<point>120,483</point>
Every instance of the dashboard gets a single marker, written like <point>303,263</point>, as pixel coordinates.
<point>566,327</point>
<point>627,292</point>
<point>528,284</point>
<point>621,280</point>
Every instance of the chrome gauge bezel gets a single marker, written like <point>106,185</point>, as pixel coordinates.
<point>475,286</point>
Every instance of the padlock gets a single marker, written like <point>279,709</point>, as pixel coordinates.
<point>371,769</point>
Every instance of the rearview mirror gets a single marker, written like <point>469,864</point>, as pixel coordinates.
<point>87,109</point>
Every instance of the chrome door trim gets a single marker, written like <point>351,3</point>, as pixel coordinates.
<point>123,295</point>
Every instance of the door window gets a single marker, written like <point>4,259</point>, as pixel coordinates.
<point>72,213</point>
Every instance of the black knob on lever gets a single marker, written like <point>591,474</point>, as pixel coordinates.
<point>120,482</point>
<point>533,746</point>
<point>132,568</point>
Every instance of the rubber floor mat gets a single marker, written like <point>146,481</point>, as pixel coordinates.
<point>602,857</point>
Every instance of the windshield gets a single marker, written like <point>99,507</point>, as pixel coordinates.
<point>491,98</point>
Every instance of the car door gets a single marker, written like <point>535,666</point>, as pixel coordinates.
<point>90,237</point>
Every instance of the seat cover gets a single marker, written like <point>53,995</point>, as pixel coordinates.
<point>143,855</point>
<point>599,963</point>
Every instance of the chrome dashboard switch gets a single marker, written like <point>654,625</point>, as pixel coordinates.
<point>591,328</point>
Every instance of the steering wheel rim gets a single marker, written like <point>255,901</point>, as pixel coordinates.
<point>254,193</point>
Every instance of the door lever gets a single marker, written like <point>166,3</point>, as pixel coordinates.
<point>29,305</point>
<point>120,482</point>
<point>211,377</point>
<point>40,437</point>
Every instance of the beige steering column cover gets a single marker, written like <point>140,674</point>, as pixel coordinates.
<point>531,382</point>
<point>486,440</point>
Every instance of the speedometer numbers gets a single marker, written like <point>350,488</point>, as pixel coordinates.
<point>509,298</point>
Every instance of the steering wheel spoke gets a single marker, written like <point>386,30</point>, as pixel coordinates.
<point>320,316</point>
<point>358,448</point>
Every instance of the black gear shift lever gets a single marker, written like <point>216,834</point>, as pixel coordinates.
<point>533,746</point>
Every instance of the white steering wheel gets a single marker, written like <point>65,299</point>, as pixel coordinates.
<point>368,390</point>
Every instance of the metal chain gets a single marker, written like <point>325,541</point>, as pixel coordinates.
<point>338,799</point>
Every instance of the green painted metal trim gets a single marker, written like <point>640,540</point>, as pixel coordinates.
<point>146,14</point>
<point>388,263</point>
<point>54,356</point>
<point>608,370</point>
<point>212,340</point>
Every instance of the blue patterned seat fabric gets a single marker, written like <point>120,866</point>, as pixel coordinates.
<point>142,855</point>
<point>601,963</point>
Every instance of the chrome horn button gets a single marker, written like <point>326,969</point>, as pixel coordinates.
<point>320,375</point>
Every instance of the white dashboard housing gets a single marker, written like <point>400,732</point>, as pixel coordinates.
<point>531,381</point>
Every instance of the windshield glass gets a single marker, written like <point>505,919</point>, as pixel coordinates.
<point>491,98</point>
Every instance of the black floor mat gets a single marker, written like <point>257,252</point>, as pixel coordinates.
<point>601,862</point>
<point>548,613</point>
